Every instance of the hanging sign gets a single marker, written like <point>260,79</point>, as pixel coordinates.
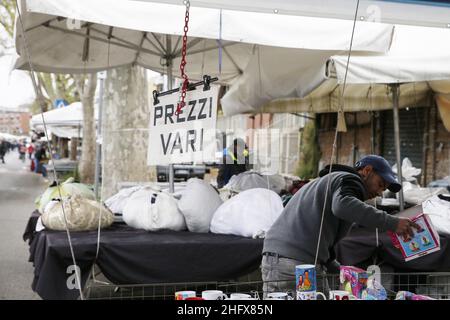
<point>190,135</point>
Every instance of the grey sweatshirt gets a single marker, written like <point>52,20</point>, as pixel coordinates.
<point>296,231</point>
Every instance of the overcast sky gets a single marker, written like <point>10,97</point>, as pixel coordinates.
<point>15,86</point>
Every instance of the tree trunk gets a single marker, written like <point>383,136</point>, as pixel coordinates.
<point>86,167</point>
<point>309,152</point>
<point>125,130</point>
<point>73,149</point>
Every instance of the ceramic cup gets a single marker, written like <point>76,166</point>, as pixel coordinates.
<point>213,295</point>
<point>183,295</point>
<point>305,278</point>
<point>341,295</point>
<point>278,296</point>
<point>309,295</point>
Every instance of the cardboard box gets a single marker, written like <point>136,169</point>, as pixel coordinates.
<point>425,240</point>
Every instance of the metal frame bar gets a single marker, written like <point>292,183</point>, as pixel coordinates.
<point>193,43</point>
<point>395,97</point>
<point>144,34</point>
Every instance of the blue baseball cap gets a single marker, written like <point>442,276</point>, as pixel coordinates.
<point>382,168</point>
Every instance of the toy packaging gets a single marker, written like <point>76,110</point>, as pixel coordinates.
<point>406,295</point>
<point>353,280</point>
<point>425,240</point>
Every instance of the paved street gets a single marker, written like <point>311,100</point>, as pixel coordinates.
<point>18,189</point>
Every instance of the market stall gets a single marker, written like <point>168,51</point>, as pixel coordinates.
<point>116,244</point>
<point>135,256</point>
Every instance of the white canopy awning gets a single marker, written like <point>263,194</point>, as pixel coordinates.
<point>265,56</point>
<point>431,13</point>
<point>419,60</point>
<point>69,116</point>
<point>66,132</point>
<point>149,34</point>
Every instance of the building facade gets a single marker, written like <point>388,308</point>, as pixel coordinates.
<point>13,122</point>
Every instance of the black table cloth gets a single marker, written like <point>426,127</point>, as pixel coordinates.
<point>134,256</point>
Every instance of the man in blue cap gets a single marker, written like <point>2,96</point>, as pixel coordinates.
<point>294,237</point>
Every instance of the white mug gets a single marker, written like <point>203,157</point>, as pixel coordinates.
<point>241,296</point>
<point>278,296</point>
<point>341,295</point>
<point>309,295</point>
<point>213,295</point>
<point>183,295</point>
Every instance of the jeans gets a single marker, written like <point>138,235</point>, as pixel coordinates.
<point>39,168</point>
<point>278,275</point>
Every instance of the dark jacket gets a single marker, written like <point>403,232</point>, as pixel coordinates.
<point>229,168</point>
<point>235,161</point>
<point>40,154</point>
<point>295,233</point>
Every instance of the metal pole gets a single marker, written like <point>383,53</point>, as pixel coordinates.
<point>169,87</point>
<point>98,149</point>
<point>395,93</point>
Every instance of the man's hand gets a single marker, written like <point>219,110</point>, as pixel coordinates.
<point>404,228</point>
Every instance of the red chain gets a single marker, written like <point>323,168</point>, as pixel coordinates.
<point>184,87</point>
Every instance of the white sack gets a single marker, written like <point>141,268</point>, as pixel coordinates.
<point>198,203</point>
<point>153,210</point>
<point>81,214</point>
<point>247,214</point>
<point>117,202</point>
<point>252,179</point>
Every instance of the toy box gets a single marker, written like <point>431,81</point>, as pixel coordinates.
<point>353,280</point>
<point>425,240</point>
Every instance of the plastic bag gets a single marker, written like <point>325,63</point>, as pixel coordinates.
<point>439,212</point>
<point>409,172</point>
<point>416,195</point>
<point>67,188</point>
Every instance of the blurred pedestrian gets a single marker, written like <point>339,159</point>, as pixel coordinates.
<point>40,158</point>
<point>22,151</point>
<point>235,161</point>
<point>3,149</point>
<point>30,150</point>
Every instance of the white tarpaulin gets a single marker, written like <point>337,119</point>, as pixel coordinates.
<point>432,13</point>
<point>419,60</point>
<point>265,55</point>
<point>416,54</point>
<point>148,34</point>
<point>190,135</point>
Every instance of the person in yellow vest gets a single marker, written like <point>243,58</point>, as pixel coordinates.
<point>235,160</point>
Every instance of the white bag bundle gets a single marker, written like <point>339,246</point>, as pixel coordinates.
<point>252,179</point>
<point>247,214</point>
<point>416,195</point>
<point>81,215</point>
<point>245,181</point>
<point>153,210</point>
<point>276,182</point>
<point>118,201</point>
<point>439,212</point>
<point>198,203</point>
